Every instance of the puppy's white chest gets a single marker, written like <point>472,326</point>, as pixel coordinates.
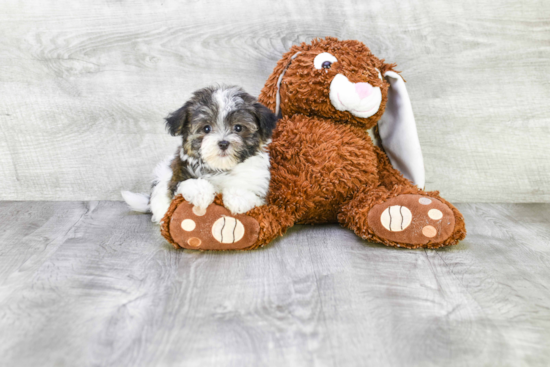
<point>251,175</point>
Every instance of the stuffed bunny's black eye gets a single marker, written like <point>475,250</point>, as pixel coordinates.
<point>324,61</point>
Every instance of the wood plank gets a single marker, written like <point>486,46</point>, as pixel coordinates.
<point>89,283</point>
<point>85,86</point>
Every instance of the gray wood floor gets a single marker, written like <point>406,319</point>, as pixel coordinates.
<point>88,283</point>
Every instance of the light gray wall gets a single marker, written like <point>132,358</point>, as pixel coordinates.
<point>84,86</point>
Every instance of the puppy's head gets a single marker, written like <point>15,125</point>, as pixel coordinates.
<point>222,126</point>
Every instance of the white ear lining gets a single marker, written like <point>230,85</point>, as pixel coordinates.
<point>398,135</point>
<point>278,95</point>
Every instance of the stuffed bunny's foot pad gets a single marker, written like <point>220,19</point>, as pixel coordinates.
<point>212,229</point>
<point>412,219</point>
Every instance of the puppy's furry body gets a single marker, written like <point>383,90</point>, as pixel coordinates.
<point>225,133</point>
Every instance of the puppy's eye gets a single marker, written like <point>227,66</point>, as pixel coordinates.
<point>324,61</point>
<point>207,129</point>
<point>238,128</point>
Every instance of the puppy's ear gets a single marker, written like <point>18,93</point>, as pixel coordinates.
<point>267,120</point>
<point>176,121</point>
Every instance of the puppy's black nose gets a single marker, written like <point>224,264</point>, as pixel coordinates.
<point>224,144</point>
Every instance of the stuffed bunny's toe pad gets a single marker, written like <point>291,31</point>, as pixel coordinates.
<point>213,228</point>
<point>412,219</point>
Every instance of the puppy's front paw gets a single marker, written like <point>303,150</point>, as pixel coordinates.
<point>198,192</point>
<point>240,201</point>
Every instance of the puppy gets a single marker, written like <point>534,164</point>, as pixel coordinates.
<point>225,133</point>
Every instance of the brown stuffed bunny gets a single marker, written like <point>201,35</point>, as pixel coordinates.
<point>325,167</point>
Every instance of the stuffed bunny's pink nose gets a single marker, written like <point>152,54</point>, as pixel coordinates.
<point>363,89</point>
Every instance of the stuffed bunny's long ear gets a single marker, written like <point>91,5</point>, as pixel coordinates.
<point>398,134</point>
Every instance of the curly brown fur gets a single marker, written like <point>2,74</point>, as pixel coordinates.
<point>165,222</point>
<point>325,167</point>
